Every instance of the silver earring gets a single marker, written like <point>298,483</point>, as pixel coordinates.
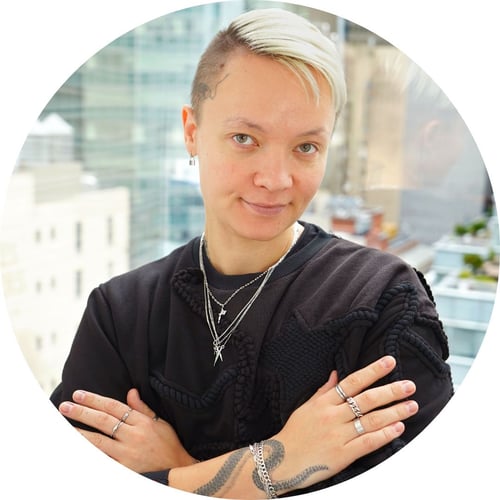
<point>192,161</point>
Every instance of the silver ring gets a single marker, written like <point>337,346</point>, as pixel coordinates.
<point>340,392</point>
<point>156,417</point>
<point>354,407</point>
<point>126,415</point>
<point>116,427</point>
<point>358,426</point>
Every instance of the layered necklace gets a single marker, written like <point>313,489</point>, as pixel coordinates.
<point>220,339</point>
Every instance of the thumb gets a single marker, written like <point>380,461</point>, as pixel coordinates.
<point>330,383</point>
<point>136,403</point>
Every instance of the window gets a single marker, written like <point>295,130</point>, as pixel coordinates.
<point>123,107</point>
<point>78,283</point>
<point>78,237</point>
<point>110,230</point>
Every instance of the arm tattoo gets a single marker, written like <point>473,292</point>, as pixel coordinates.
<point>274,459</point>
<point>230,470</point>
<point>205,92</point>
<point>225,477</point>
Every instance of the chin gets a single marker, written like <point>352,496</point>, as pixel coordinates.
<point>263,230</point>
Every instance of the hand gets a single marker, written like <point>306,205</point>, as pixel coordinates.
<point>142,442</point>
<point>321,435</point>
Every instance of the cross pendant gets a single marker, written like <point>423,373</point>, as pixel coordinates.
<point>222,312</point>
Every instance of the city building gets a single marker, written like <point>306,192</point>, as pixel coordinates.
<point>59,238</point>
<point>125,105</point>
<point>403,169</point>
<point>464,278</point>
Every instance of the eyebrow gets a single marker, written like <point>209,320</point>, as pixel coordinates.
<point>247,123</point>
<point>243,121</point>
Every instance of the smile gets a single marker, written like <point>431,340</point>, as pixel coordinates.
<point>264,209</point>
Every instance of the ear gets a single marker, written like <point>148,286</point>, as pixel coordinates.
<point>190,128</point>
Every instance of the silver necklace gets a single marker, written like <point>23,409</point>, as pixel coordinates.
<point>220,340</point>
<point>223,305</point>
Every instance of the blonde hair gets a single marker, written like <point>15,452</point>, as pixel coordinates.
<point>281,35</point>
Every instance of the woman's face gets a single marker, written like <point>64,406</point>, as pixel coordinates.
<point>261,142</point>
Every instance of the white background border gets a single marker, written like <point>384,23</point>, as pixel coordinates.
<point>44,42</point>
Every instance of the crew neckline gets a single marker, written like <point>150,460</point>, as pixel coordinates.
<point>311,239</point>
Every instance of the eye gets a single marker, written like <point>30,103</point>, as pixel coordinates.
<point>307,148</point>
<point>243,139</point>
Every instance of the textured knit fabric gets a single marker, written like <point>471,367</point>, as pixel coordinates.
<point>331,304</point>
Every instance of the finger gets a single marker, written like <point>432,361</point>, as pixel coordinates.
<point>372,441</point>
<point>380,419</point>
<point>104,443</point>
<point>99,420</point>
<point>361,379</point>
<point>136,403</point>
<point>104,404</point>
<point>384,395</point>
<point>112,448</point>
<point>329,384</point>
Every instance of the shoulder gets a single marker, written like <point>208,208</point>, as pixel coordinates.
<point>152,275</point>
<point>343,250</point>
<point>359,274</point>
<point>353,259</point>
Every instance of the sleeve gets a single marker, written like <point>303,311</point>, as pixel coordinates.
<point>160,476</point>
<point>408,328</point>
<point>95,362</point>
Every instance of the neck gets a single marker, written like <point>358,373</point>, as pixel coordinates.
<point>239,256</point>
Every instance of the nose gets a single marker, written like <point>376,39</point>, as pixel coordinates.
<point>273,172</point>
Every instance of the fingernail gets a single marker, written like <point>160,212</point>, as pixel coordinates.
<point>79,395</point>
<point>398,427</point>
<point>408,386</point>
<point>412,407</point>
<point>387,361</point>
<point>65,407</point>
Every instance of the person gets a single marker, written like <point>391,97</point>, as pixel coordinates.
<point>266,357</point>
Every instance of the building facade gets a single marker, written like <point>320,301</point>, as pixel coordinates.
<point>115,189</point>
<point>59,238</point>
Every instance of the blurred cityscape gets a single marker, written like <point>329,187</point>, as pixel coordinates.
<point>103,185</point>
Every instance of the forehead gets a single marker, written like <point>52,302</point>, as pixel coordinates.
<point>258,87</point>
<point>256,68</point>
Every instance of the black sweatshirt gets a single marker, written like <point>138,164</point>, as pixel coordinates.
<point>331,304</point>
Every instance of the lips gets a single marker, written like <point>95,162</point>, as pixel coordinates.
<point>265,209</point>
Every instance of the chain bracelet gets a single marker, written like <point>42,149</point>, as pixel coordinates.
<point>257,451</point>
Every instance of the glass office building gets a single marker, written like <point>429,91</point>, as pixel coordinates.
<point>124,105</point>
<point>124,109</point>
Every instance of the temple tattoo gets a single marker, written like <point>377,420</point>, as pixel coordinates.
<point>205,92</point>
<point>230,470</point>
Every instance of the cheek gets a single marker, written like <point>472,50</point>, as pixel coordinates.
<point>207,185</point>
<point>216,179</point>
<point>310,183</point>
<point>222,172</point>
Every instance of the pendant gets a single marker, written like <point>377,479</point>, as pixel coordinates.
<point>218,353</point>
<point>222,312</point>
